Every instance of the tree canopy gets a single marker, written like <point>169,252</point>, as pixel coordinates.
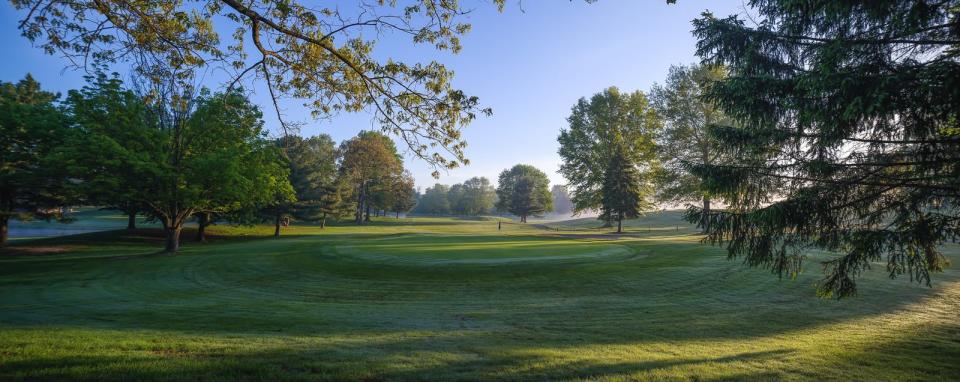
<point>685,139</point>
<point>850,136</point>
<point>368,163</point>
<point>325,56</point>
<point>32,128</point>
<point>524,190</point>
<point>434,200</point>
<point>597,128</point>
<point>114,147</point>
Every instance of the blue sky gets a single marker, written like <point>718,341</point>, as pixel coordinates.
<point>529,65</point>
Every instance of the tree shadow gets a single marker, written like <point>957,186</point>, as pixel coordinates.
<point>390,360</point>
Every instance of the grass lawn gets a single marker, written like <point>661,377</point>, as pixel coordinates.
<point>454,299</point>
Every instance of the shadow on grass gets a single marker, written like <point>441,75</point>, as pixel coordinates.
<point>477,359</point>
<point>390,361</point>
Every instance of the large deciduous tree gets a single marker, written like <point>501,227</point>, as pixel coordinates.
<point>478,196</point>
<point>324,55</point>
<point>524,190</point>
<point>849,138</point>
<point>32,127</point>
<point>685,139</point>
<point>116,146</point>
<point>368,162</point>
<point>402,195</point>
<point>215,157</point>
<point>597,126</point>
<point>435,200</point>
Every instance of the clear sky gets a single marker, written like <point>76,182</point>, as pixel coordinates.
<point>529,65</point>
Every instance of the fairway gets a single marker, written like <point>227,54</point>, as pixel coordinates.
<point>447,299</point>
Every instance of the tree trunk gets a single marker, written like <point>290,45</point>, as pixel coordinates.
<point>172,233</point>
<point>398,214</point>
<point>523,218</point>
<point>132,220</point>
<point>323,220</point>
<point>4,229</point>
<point>276,230</point>
<point>705,221</point>
<point>367,218</point>
<point>360,200</point>
<point>620,223</point>
<point>203,220</point>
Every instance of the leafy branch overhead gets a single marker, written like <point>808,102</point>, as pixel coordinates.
<point>324,56</point>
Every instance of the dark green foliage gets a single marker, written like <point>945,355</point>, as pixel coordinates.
<point>850,137</point>
<point>434,200</point>
<point>597,127</point>
<point>624,196</point>
<point>116,145</point>
<point>524,191</point>
<point>32,127</point>
<point>475,196</point>
<point>312,165</point>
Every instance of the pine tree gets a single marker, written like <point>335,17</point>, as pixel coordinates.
<point>624,196</point>
<point>850,136</point>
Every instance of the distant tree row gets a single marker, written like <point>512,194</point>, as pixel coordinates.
<point>522,190</point>
<point>476,196</point>
<point>173,154</point>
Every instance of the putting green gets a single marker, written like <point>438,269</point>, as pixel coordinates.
<point>435,250</point>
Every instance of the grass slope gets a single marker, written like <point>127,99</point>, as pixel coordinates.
<point>448,299</point>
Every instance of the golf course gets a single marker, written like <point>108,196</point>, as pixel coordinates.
<point>454,299</point>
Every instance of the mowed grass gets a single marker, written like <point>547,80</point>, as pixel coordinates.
<point>450,299</point>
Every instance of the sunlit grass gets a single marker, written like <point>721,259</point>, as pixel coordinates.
<point>447,299</point>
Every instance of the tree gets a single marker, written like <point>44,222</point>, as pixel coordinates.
<point>313,176</point>
<point>478,195</point>
<point>524,191</point>
<point>849,136</point>
<point>32,184</point>
<point>277,199</point>
<point>625,195</point>
<point>597,126</point>
<point>368,162</point>
<point>455,196</point>
<point>214,156</point>
<point>324,55</point>
<point>115,146</point>
<point>562,205</point>
<point>685,140</point>
<point>403,194</point>
<point>434,200</point>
